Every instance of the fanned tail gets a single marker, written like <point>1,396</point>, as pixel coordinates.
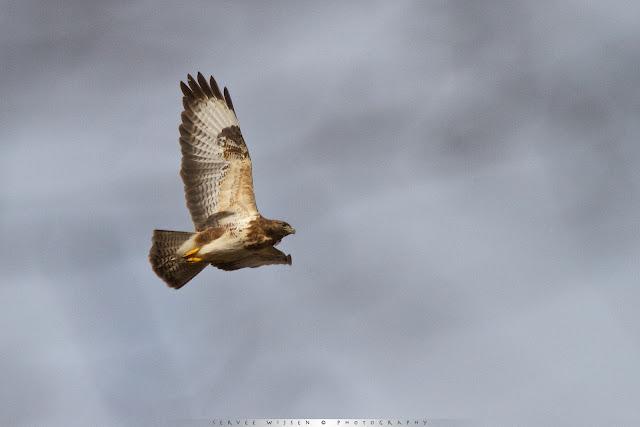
<point>171,268</point>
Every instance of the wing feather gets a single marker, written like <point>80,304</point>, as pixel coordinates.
<point>253,259</point>
<point>216,166</point>
<point>205,86</point>
<point>227,97</point>
<point>214,86</point>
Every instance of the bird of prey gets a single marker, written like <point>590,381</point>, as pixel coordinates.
<point>216,171</point>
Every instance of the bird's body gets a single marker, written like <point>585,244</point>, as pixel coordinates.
<point>222,244</point>
<point>216,170</point>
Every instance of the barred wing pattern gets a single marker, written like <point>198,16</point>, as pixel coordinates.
<point>216,167</point>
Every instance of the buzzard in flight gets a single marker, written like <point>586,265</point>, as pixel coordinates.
<point>216,171</point>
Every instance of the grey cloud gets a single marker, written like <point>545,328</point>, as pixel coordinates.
<point>462,178</point>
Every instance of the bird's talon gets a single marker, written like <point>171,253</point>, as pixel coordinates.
<point>191,252</point>
<point>193,260</point>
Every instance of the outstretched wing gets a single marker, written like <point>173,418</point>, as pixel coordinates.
<point>253,259</point>
<point>216,167</point>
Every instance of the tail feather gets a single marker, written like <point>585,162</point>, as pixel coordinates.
<point>166,264</point>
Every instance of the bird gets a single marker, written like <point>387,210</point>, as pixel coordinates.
<point>230,233</point>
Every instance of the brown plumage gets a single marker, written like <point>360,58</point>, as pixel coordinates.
<point>217,175</point>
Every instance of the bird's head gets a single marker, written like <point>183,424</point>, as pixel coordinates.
<point>286,228</point>
<point>276,230</point>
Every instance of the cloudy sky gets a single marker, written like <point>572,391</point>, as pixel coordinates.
<point>464,179</point>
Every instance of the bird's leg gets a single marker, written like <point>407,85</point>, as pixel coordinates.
<point>191,252</point>
<point>192,259</point>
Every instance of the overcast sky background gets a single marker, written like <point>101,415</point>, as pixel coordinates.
<point>463,177</point>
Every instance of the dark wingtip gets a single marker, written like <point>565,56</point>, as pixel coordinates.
<point>197,91</point>
<point>200,89</point>
<point>205,86</point>
<point>185,90</point>
<point>215,88</point>
<point>227,97</point>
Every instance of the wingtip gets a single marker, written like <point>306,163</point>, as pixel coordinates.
<point>185,90</point>
<point>205,86</point>
<point>227,97</point>
<point>214,87</point>
<point>195,88</point>
<point>200,89</point>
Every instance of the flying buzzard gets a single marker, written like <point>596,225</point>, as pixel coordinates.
<point>216,171</point>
